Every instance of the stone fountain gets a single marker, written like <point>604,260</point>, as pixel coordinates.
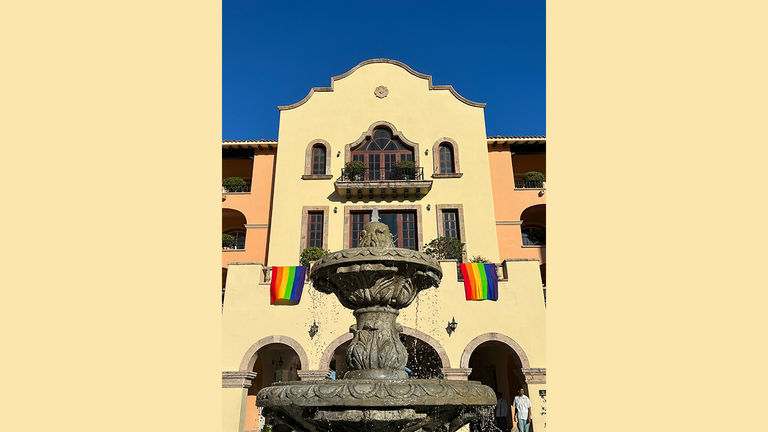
<point>375,280</point>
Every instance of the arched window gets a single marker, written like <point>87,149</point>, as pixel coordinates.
<point>380,153</point>
<point>446,159</point>
<point>318,159</point>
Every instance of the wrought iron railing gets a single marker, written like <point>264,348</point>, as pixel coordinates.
<point>384,174</point>
<point>237,188</point>
<point>529,184</point>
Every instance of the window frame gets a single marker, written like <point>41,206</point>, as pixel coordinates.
<point>398,236</point>
<point>451,165</point>
<point>315,228</point>
<point>436,173</point>
<point>309,160</point>
<point>318,161</point>
<point>305,211</point>
<point>459,209</point>
<point>418,223</point>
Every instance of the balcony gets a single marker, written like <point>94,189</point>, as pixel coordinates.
<point>246,188</point>
<point>529,184</point>
<point>387,183</point>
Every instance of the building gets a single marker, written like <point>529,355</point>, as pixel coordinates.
<point>466,185</point>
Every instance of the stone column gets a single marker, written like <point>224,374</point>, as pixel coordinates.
<point>235,385</point>
<point>456,374</point>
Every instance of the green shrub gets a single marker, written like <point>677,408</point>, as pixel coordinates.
<point>534,176</point>
<point>404,170</point>
<point>235,184</point>
<point>445,248</point>
<point>312,253</point>
<point>228,241</point>
<point>480,259</point>
<point>355,170</point>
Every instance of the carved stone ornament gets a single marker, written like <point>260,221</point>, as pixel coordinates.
<point>375,393</point>
<point>381,92</point>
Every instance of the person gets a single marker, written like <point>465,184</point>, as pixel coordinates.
<point>522,410</point>
<point>501,412</point>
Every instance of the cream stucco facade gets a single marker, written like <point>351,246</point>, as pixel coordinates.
<point>424,115</point>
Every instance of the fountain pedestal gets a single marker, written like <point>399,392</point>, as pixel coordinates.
<point>376,280</point>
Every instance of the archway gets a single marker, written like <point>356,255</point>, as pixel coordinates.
<point>497,361</point>
<point>233,223</point>
<point>274,359</point>
<point>533,225</point>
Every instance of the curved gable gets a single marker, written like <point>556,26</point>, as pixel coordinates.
<point>388,61</point>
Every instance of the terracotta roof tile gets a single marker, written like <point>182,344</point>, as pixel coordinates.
<point>249,141</point>
<point>517,137</point>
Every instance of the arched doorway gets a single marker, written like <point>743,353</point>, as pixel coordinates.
<point>497,361</point>
<point>274,362</point>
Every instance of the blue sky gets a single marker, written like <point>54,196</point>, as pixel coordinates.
<point>490,51</point>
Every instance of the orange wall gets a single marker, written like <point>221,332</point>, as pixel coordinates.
<point>502,183</point>
<point>511,244</point>
<point>509,203</point>
<point>255,248</point>
<point>255,205</point>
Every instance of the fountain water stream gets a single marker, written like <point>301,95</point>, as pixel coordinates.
<point>376,280</point>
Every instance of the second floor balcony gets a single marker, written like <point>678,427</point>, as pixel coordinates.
<point>529,184</point>
<point>386,182</point>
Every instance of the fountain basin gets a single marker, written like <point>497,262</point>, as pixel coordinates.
<point>374,405</point>
<point>374,276</point>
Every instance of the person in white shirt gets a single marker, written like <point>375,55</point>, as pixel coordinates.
<point>501,412</point>
<point>522,410</point>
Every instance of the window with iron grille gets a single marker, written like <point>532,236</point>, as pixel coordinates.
<point>315,229</point>
<point>318,159</point>
<point>446,159</point>
<point>451,224</point>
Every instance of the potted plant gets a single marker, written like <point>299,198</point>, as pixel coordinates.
<point>355,170</point>
<point>234,184</point>
<point>445,248</point>
<point>228,241</point>
<point>404,170</point>
<point>480,259</point>
<point>535,177</point>
<point>311,254</point>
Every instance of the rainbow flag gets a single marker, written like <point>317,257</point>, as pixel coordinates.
<point>480,281</point>
<point>287,284</point>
